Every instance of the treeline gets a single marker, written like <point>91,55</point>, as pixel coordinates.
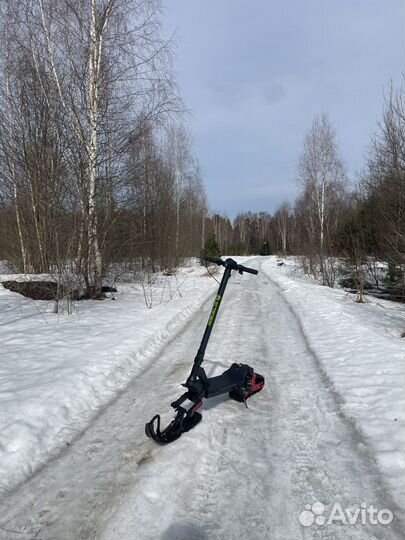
<point>95,160</point>
<point>251,233</point>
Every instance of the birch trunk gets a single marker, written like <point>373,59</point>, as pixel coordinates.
<point>177,211</point>
<point>19,224</point>
<point>96,41</point>
<point>322,214</point>
<point>24,257</point>
<point>203,231</point>
<point>35,214</point>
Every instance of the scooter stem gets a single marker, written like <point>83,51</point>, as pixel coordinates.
<point>199,358</point>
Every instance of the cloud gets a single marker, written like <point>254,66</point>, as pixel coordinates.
<point>255,73</point>
<point>258,93</point>
<point>274,92</point>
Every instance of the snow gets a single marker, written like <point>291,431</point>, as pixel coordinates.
<point>361,353</point>
<point>58,371</point>
<point>25,277</point>
<point>327,428</point>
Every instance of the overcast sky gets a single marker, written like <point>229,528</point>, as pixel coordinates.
<point>254,73</point>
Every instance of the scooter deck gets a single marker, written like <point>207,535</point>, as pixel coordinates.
<point>231,378</point>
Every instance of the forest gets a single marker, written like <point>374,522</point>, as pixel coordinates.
<point>97,165</point>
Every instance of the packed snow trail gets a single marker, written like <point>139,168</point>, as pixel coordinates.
<point>241,474</point>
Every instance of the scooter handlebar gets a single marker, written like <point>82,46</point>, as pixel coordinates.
<point>230,263</point>
<point>248,270</point>
<point>215,260</point>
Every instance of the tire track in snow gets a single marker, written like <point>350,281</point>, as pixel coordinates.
<point>72,495</point>
<point>357,435</point>
<point>333,431</point>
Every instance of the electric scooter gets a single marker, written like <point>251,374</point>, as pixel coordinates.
<point>240,381</point>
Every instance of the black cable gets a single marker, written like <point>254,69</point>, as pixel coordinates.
<point>212,275</point>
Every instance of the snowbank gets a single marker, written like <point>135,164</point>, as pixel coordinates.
<point>361,352</point>
<point>58,371</point>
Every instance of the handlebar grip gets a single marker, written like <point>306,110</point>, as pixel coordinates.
<point>215,260</point>
<point>248,270</point>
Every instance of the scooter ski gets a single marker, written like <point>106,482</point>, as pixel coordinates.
<point>240,381</point>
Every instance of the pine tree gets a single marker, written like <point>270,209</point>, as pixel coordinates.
<point>211,248</point>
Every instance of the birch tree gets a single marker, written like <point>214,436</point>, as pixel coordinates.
<point>112,71</point>
<point>282,218</point>
<point>322,176</point>
<point>30,144</point>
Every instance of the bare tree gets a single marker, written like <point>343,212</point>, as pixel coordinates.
<point>282,217</point>
<point>31,146</point>
<point>382,186</point>
<point>323,178</point>
<point>82,79</point>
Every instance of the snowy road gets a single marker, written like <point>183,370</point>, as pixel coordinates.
<point>241,474</point>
